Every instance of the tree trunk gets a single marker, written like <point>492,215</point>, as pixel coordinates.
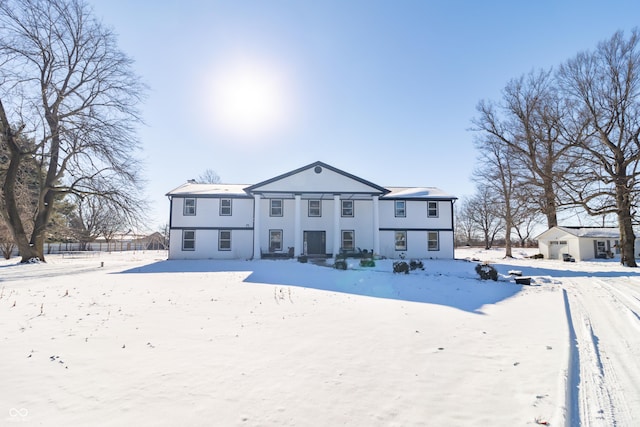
<point>12,212</point>
<point>627,236</point>
<point>507,229</point>
<point>550,209</point>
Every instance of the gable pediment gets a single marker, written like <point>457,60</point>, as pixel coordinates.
<point>317,177</point>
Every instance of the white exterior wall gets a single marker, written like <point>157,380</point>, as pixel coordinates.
<point>361,223</point>
<point>206,245</point>
<point>417,216</point>
<point>417,223</point>
<point>208,213</point>
<point>417,245</point>
<point>285,223</point>
<point>326,181</point>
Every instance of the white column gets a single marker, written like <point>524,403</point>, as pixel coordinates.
<point>376,225</point>
<point>256,227</point>
<point>297,232</point>
<point>336,225</point>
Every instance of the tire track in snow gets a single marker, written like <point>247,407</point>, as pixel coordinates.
<point>572,402</point>
<point>608,348</point>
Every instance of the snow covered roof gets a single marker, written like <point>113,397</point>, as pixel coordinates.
<point>238,190</point>
<point>594,232</point>
<point>417,193</point>
<point>210,190</point>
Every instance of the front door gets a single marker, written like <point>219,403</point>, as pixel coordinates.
<point>315,243</point>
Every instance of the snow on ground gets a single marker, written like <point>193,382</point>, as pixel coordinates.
<point>134,339</point>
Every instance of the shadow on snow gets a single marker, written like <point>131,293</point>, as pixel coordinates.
<point>462,290</point>
<point>544,271</point>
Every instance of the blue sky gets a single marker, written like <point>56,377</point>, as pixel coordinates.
<point>385,90</point>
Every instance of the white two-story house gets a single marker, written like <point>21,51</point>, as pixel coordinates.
<point>316,210</point>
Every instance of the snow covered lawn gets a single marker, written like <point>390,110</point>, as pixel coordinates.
<point>145,341</point>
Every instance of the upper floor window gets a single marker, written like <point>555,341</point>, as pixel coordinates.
<point>432,209</point>
<point>188,240</point>
<point>401,240</point>
<point>401,208</point>
<point>276,207</point>
<point>224,240</point>
<point>315,208</point>
<point>347,208</point>
<point>225,207</point>
<point>189,207</point>
<point>433,243</point>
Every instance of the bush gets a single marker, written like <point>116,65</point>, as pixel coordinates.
<point>302,258</point>
<point>415,264</point>
<point>486,272</point>
<point>340,264</point>
<point>401,267</point>
<point>367,262</point>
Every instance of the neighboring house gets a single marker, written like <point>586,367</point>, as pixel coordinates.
<point>316,210</point>
<point>580,242</point>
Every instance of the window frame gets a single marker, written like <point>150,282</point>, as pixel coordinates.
<point>343,208</point>
<point>395,240</point>
<point>191,239</point>
<point>273,232</point>
<point>186,208</point>
<point>429,240</point>
<point>430,209</point>
<point>223,208</point>
<point>222,239</point>
<point>342,239</point>
<point>403,210</point>
<point>319,207</point>
<point>271,207</point>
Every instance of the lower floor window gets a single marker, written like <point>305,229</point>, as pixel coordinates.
<point>348,240</point>
<point>188,240</point>
<point>433,243</point>
<point>224,240</point>
<point>401,240</point>
<point>275,240</point>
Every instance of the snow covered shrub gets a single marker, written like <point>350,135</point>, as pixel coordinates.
<point>486,272</point>
<point>340,264</point>
<point>414,264</point>
<point>401,267</point>
<point>302,258</point>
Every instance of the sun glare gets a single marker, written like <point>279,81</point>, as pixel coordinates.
<point>250,100</point>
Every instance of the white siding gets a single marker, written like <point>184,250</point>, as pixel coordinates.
<point>307,180</point>
<point>208,213</point>
<point>417,245</point>
<point>416,215</point>
<point>206,245</point>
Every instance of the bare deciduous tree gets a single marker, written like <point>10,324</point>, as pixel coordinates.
<point>603,89</point>
<point>483,210</point>
<point>528,121</point>
<point>209,176</point>
<point>498,176</point>
<point>465,226</point>
<point>68,88</point>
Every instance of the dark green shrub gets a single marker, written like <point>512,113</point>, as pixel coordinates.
<point>367,262</point>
